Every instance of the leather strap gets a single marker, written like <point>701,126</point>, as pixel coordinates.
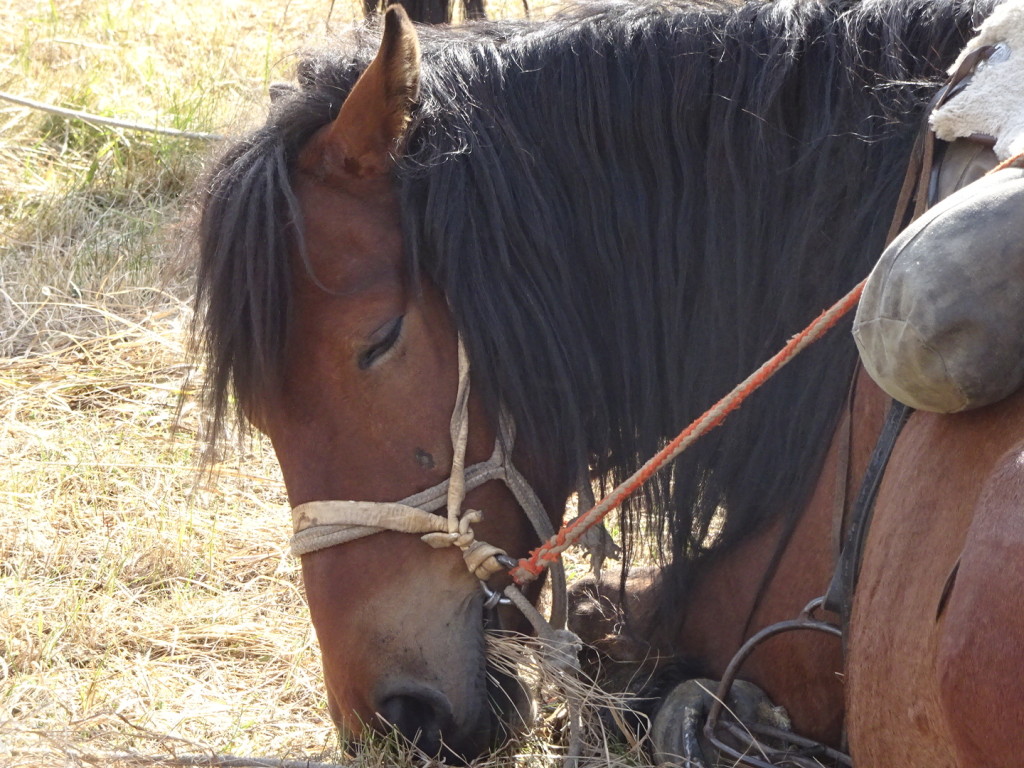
<point>844,448</point>
<point>839,597</point>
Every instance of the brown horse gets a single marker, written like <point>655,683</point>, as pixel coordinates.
<point>618,213</point>
<point>934,673</point>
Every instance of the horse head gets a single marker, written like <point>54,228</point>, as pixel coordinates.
<point>361,408</point>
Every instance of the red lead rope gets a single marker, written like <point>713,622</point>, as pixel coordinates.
<point>531,567</point>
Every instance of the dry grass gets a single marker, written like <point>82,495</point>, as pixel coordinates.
<point>133,600</point>
<point>138,610</point>
<point>142,611</point>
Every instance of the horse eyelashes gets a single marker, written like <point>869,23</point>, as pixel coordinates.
<point>376,351</point>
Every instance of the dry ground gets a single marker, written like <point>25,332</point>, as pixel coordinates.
<point>143,610</point>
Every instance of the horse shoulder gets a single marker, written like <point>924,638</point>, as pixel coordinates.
<point>927,631</point>
<point>980,651</point>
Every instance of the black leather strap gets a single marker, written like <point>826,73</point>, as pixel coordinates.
<point>839,597</point>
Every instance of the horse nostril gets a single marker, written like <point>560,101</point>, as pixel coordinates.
<point>420,714</point>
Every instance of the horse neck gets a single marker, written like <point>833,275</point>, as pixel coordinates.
<point>732,598</point>
<point>728,601</point>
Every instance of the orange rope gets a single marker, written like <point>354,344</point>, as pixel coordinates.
<point>1007,163</point>
<point>531,567</point>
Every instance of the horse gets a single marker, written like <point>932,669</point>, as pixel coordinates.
<point>429,11</point>
<point>557,242</point>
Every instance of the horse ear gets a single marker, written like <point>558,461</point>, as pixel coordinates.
<point>373,119</point>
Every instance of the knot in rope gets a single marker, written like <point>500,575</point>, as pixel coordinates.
<point>482,559</point>
<point>463,537</point>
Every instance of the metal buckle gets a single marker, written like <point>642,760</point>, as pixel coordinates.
<point>493,598</point>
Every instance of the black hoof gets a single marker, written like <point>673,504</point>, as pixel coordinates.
<point>677,733</point>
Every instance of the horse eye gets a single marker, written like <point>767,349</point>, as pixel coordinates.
<point>387,335</point>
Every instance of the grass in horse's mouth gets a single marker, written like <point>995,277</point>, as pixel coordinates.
<point>560,696</point>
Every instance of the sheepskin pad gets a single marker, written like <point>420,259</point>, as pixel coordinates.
<point>992,104</point>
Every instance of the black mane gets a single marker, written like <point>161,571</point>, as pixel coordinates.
<point>629,208</point>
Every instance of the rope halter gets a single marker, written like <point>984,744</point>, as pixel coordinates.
<point>321,524</point>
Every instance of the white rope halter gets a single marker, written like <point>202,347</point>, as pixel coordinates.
<point>321,524</point>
